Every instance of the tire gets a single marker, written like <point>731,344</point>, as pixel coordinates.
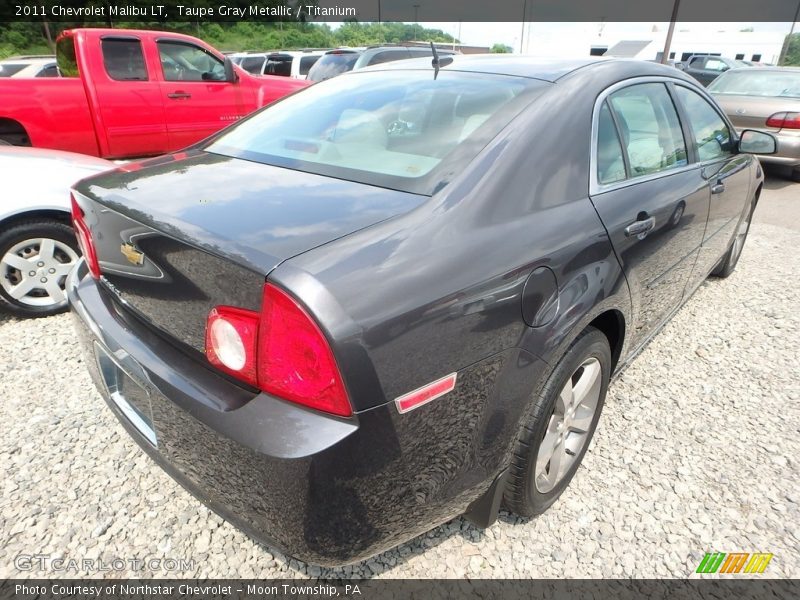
<point>795,174</point>
<point>530,490</point>
<point>36,255</point>
<point>4,142</point>
<point>728,263</point>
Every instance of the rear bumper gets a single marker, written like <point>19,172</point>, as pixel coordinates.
<point>326,490</point>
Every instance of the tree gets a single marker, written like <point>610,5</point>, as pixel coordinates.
<point>501,49</point>
<point>793,50</point>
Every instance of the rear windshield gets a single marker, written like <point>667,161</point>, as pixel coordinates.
<point>396,129</point>
<point>331,65</point>
<point>758,82</point>
<point>8,69</point>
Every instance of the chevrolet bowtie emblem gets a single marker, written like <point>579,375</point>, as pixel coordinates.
<point>132,254</point>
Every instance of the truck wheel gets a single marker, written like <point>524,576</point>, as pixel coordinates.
<point>35,258</point>
<point>557,433</point>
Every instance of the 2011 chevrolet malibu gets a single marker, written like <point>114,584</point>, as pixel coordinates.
<point>398,296</point>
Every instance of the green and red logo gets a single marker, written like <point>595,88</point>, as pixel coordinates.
<point>734,562</point>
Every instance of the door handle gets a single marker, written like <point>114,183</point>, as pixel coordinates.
<point>179,95</point>
<point>640,228</point>
<point>718,188</point>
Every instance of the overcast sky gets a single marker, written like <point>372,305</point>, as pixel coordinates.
<point>486,34</point>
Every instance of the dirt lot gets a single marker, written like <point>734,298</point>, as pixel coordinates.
<point>696,452</point>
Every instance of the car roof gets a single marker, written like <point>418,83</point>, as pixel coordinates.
<point>536,67</point>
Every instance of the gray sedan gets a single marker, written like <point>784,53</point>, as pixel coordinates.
<point>767,99</point>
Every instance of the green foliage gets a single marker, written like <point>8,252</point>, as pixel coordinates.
<point>793,52</point>
<point>29,37</point>
<point>501,49</point>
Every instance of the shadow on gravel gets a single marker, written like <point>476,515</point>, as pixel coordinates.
<point>399,555</point>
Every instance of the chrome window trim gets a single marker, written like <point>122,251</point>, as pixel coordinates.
<point>595,187</point>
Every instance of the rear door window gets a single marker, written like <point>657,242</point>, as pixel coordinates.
<point>280,65</point>
<point>610,159</point>
<point>306,62</point>
<point>649,127</point>
<point>123,59</point>
<point>253,64</point>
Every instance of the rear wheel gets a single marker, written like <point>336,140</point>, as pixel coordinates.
<point>557,434</point>
<point>728,263</point>
<point>35,258</point>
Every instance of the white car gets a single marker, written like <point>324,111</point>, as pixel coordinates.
<point>37,245</point>
<point>29,66</point>
<point>285,63</point>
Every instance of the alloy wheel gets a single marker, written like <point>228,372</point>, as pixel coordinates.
<point>569,426</point>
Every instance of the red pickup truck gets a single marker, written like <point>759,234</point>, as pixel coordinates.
<point>129,93</point>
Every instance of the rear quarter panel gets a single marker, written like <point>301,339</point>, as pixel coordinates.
<point>53,111</point>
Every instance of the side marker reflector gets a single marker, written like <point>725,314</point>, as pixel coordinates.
<point>426,393</point>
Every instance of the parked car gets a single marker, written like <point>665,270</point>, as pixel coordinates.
<point>29,66</point>
<point>766,99</point>
<point>131,93</point>
<point>399,295</point>
<point>294,64</point>
<point>342,60</point>
<point>37,244</point>
<point>706,68</point>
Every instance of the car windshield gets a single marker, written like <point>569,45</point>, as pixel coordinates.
<point>331,65</point>
<point>758,82</point>
<point>402,130</point>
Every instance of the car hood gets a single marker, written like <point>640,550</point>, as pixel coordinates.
<point>254,214</point>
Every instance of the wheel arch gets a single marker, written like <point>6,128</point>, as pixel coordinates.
<point>611,323</point>
<point>14,132</point>
<point>61,216</point>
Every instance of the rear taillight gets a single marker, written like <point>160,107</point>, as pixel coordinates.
<point>784,120</point>
<point>84,239</point>
<point>295,360</point>
<point>231,336</point>
<point>281,351</point>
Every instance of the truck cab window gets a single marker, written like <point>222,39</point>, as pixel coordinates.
<point>181,61</point>
<point>123,60</point>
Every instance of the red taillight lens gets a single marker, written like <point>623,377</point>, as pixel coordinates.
<point>282,351</point>
<point>295,360</point>
<point>231,337</point>
<point>784,120</point>
<point>85,239</point>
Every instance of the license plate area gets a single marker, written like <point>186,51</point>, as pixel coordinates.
<point>127,395</point>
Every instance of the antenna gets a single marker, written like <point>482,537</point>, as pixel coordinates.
<point>439,62</point>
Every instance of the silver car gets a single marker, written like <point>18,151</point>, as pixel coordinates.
<point>767,99</point>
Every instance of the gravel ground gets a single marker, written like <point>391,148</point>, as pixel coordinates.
<point>696,452</point>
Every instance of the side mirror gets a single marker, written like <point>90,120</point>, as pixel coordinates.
<point>230,72</point>
<point>757,142</point>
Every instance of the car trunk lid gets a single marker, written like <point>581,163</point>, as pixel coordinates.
<point>178,235</point>
<point>750,112</point>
